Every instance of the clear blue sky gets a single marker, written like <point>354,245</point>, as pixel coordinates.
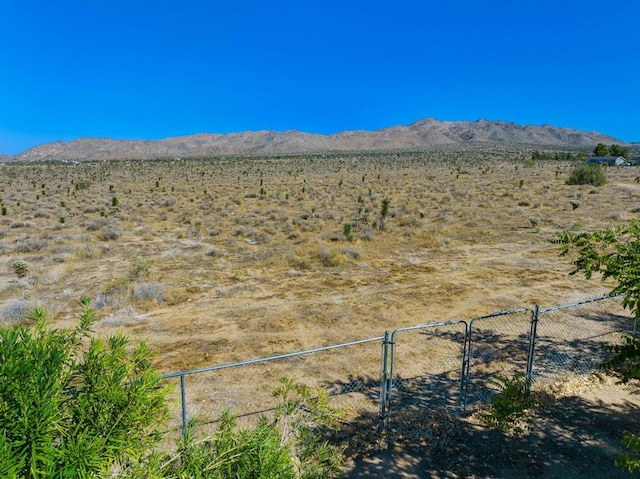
<point>155,69</point>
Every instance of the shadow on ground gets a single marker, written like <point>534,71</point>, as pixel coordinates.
<point>572,437</point>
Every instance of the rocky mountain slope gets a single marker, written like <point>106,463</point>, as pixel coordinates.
<point>421,135</point>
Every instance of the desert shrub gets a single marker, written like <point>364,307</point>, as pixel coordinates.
<point>15,309</point>
<point>149,292</point>
<point>351,253</point>
<point>110,232</point>
<point>31,245</point>
<point>329,256</point>
<point>126,315</point>
<point>68,410</point>
<point>19,224</point>
<point>20,268</point>
<point>98,223</point>
<point>140,269</point>
<point>587,175</point>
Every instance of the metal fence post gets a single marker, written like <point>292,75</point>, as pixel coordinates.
<point>462,400</point>
<point>384,372</point>
<point>466,361</point>
<point>532,347</point>
<point>184,407</point>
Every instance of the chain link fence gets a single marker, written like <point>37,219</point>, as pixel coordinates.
<point>573,338</point>
<point>498,344</point>
<point>349,372</point>
<point>449,365</point>
<point>425,369</point>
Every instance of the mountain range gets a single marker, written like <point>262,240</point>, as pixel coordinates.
<point>420,135</point>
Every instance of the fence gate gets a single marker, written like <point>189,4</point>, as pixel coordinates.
<point>572,338</point>
<point>425,371</point>
<point>499,344</point>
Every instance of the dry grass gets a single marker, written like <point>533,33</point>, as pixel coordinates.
<point>224,260</point>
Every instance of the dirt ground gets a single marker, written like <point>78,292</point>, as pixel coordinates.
<point>577,433</point>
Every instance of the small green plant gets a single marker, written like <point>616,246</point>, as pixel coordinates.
<point>587,175</point>
<point>20,268</point>
<point>521,184</point>
<point>510,409</point>
<point>114,201</point>
<point>62,219</point>
<point>347,231</point>
<point>4,210</point>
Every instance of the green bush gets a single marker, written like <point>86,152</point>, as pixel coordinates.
<point>291,446</point>
<point>510,410</point>
<point>20,268</point>
<point>69,409</point>
<point>587,175</point>
<point>75,406</point>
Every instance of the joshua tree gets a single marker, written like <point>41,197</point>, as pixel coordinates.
<point>384,211</point>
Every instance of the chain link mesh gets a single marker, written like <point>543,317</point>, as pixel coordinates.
<point>350,374</point>
<point>572,338</point>
<point>428,364</point>
<point>498,345</point>
<point>427,369</point>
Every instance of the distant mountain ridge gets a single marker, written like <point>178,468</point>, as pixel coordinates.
<point>420,135</point>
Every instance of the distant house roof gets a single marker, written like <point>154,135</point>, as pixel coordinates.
<point>606,160</point>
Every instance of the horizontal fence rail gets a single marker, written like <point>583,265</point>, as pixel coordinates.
<point>351,378</point>
<point>418,369</point>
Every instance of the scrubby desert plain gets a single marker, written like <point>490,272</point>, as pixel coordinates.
<point>220,260</point>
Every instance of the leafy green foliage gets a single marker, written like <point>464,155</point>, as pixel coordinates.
<point>626,358</point>
<point>614,150</point>
<point>510,410</point>
<point>81,407</point>
<point>615,253</point>
<point>617,150</point>
<point>230,452</point>
<point>68,413</point>
<point>557,156</point>
<point>291,446</point>
<point>587,175</point>
<point>601,150</point>
<point>302,417</point>
<point>612,252</point>
<point>630,459</point>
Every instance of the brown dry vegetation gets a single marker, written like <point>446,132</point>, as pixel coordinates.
<point>223,260</point>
